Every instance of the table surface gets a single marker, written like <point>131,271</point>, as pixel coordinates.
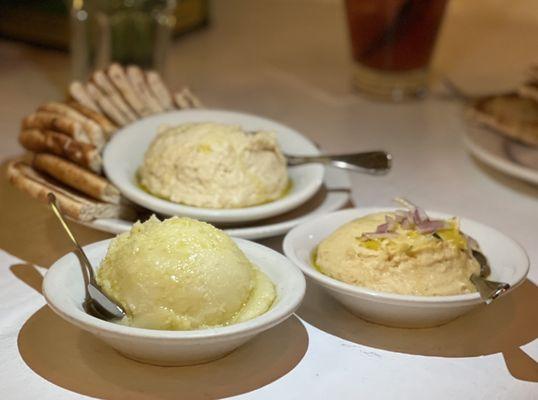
<point>290,61</point>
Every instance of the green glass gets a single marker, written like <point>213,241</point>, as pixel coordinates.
<point>125,31</point>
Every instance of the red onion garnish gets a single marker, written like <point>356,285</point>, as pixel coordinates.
<point>419,216</point>
<point>407,224</point>
<point>399,217</point>
<point>390,225</point>
<point>383,228</point>
<point>413,218</point>
<point>417,213</point>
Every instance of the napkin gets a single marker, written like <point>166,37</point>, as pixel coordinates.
<point>20,298</point>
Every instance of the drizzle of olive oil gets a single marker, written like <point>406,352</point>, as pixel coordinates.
<point>285,192</point>
<point>141,186</point>
<point>371,244</point>
<point>313,258</point>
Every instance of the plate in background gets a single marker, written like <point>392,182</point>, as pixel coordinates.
<point>503,154</point>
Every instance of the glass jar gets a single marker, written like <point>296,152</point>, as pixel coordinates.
<point>124,31</point>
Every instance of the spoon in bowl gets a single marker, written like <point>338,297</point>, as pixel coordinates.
<point>95,303</point>
<point>489,290</point>
<point>372,162</point>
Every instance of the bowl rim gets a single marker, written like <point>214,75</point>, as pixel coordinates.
<point>276,314</point>
<point>349,214</point>
<point>242,214</point>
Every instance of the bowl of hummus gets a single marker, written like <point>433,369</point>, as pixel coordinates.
<point>400,267</point>
<point>215,166</point>
<point>190,292</point>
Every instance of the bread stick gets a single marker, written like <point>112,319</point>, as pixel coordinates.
<point>185,99</point>
<point>181,101</point>
<point>78,92</point>
<point>106,125</point>
<point>107,88</point>
<point>159,90</point>
<point>92,129</point>
<point>138,82</point>
<point>106,105</point>
<point>83,154</point>
<point>77,177</point>
<point>117,76</point>
<point>191,98</point>
<point>44,120</point>
<point>74,205</point>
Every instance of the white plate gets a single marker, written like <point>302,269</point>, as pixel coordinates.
<point>64,290</point>
<point>509,263</point>
<point>503,154</point>
<point>124,154</point>
<point>333,195</point>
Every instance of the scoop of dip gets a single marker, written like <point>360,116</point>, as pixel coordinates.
<point>214,166</point>
<point>182,274</point>
<point>403,252</point>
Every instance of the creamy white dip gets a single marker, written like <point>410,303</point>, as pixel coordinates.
<point>214,166</point>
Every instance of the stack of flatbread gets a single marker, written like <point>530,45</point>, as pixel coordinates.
<point>514,115</point>
<point>66,139</point>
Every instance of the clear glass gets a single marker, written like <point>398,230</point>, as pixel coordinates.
<point>392,42</point>
<point>125,31</point>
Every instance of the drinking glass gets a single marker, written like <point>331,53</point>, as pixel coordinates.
<point>123,31</point>
<point>392,42</point>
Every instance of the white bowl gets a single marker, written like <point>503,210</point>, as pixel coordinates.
<point>509,263</point>
<point>64,291</point>
<point>124,154</point>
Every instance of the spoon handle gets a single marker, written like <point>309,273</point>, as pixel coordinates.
<point>78,248</point>
<point>373,162</point>
<point>489,290</point>
<point>96,302</point>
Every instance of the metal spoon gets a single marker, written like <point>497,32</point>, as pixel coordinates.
<point>373,162</point>
<point>95,303</point>
<point>489,290</point>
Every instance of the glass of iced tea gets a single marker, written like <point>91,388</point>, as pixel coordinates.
<point>392,42</point>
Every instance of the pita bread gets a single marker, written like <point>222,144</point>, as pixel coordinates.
<point>73,204</point>
<point>76,177</point>
<point>83,154</point>
<point>510,115</point>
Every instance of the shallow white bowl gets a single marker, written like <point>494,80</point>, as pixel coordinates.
<point>124,154</point>
<point>509,263</point>
<point>64,291</point>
